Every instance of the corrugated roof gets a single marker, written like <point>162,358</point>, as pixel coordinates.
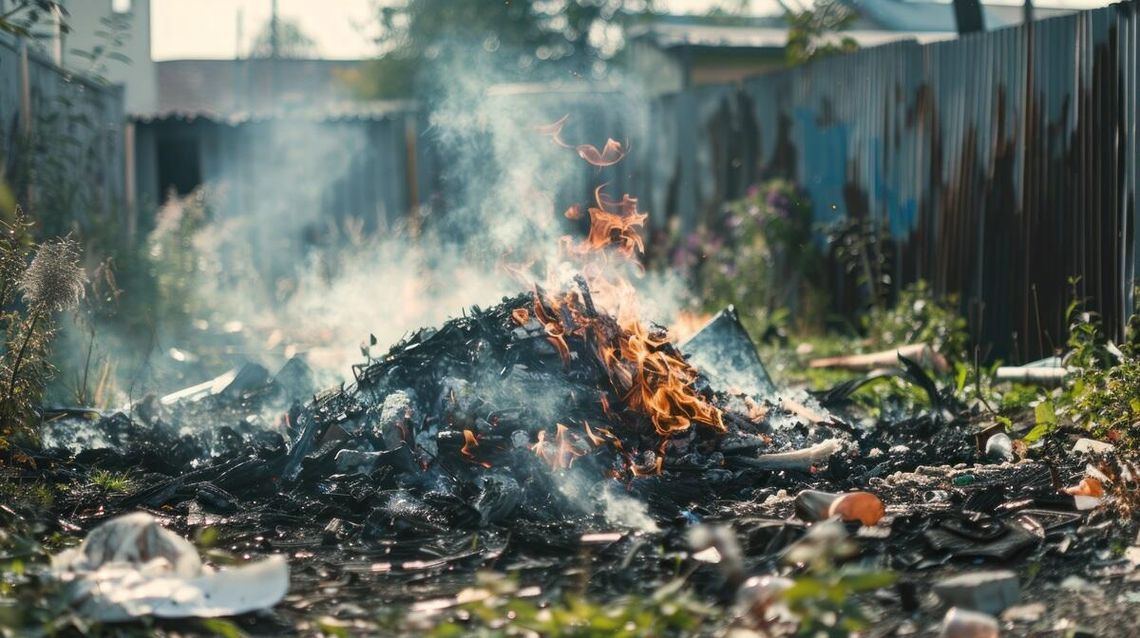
<point>329,112</point>
<point>671,35</point>
<point>222,88</point>
<point>925,16</point>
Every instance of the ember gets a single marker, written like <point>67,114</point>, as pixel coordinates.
<point>469,443</point>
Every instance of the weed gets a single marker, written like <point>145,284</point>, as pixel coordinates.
<point>920,316</point>
<point>53,282</point>
<point>33,497</point>
<point>860,246</point>
<point>117,482</point>
<point>825,595</point>
<point>1104,394</point>
<point>495,608</point>
<point>759,255</point>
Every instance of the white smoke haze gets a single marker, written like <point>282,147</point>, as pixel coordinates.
<point>504,188</point>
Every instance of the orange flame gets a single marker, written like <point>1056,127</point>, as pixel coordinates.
<point>644,370</point>
<point>594,438</point>
<point>561,453</point>
<point>521,316</point>
<point>469,442</point>
<point>611,153</point>
<point>686,324</point>
<point>648,374</point>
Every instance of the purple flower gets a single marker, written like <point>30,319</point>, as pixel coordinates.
<point>777,200</point>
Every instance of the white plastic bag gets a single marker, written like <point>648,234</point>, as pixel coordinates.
<point>131,566</point>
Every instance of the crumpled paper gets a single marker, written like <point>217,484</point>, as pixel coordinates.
<point>131,566</point>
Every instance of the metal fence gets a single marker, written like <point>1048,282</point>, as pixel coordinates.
<point>1002,163</point>
<point>61,142</point>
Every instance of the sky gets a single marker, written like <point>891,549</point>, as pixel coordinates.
<point>210,28</point>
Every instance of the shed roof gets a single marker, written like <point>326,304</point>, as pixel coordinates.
<point>222,88</point>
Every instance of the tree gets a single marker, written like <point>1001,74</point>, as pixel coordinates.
<point>292,41</point>
<point>524,35</point>
<point>814,33</point>
<point>25,17</point>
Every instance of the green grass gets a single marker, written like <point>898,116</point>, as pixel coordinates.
<point>117,482</point>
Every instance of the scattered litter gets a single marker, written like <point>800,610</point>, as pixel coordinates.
<point>724,352</point>
<point>858,506</point>
<point>1049,372</point>
<point>963,623</point>
<point>1075,583</point>
<point>990,592</point>
<point>921,353</point>
<point>130,567</point>
<point>1031,612</point>
<point>1088,486</point>
<point>1092,446</point>
<point>999,447</point>
<point>980,537</point>
<point>813,505</point>
<point>796,460</point>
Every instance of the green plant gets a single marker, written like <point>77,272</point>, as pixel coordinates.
<point>110,481</point>
<point>1103,396</point>
<point>495,608</point>
<point>859,245</point>
<point>53,282</point>
<point>25,17</point>
<point>760,256</point>
<point>920,316</point>
<point>825,596</point>
<point>1107,401</point>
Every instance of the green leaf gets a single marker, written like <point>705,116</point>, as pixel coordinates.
<point>1036,433</point>
<point>1045,414</point>
<point>868,581</point>
<point>222,627</point>
<point>208,537</point>
<point>805,589</point>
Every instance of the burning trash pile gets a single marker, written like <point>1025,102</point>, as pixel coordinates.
<point>558,433</point>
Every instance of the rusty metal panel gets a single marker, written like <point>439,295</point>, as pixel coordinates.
<point>1003,163</point>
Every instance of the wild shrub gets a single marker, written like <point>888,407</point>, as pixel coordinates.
<point>32,294</point>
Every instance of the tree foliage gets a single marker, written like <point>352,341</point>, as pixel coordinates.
<point>26,17</point>
<point>522,35</point>
<point>292,41</point>
<point>815,33</point>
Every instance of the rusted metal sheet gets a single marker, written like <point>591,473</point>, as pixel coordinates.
<point>1003,163</point>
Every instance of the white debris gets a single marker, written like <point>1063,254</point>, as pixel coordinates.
<point>999,447</point>
<point>1092,446</point>
<point>349,461</point>
<point>396,417</point>
<point>962,623</point>
<point>131,567</point>
<point>986,591</point>
<point>798,459</point>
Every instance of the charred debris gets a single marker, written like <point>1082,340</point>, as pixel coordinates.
<point>480,444</point>
<point>559,438</point>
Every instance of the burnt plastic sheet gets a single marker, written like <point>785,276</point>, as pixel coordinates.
<point>723,352</point>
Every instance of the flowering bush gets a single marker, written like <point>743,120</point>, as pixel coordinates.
<point>759,255</point>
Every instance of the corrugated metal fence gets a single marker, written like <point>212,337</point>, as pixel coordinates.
<point>1003,163</point>
<point>61,142</point>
